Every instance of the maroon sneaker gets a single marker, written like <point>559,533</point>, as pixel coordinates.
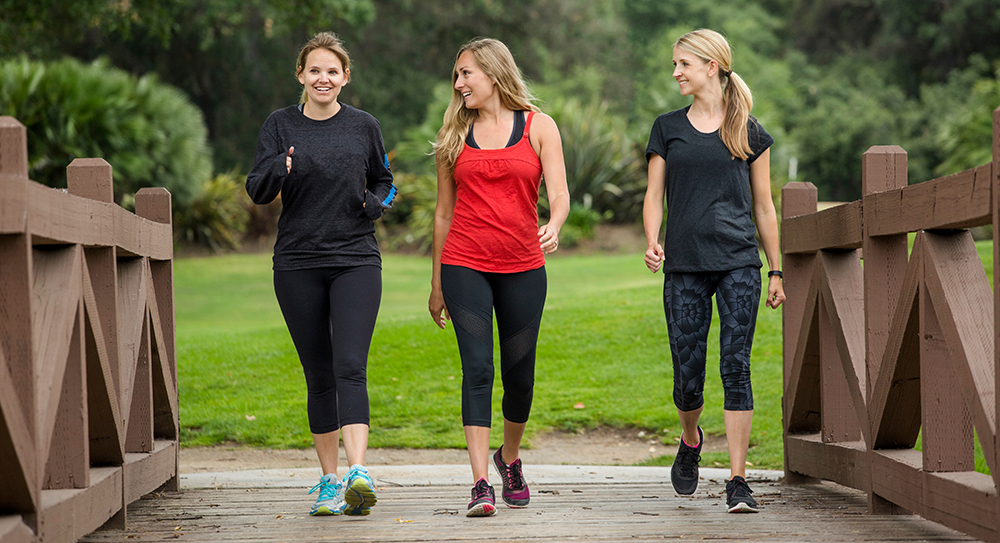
<point>483,502</point>
<point>515,491</point>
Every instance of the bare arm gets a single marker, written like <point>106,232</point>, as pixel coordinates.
<point>443,213</point>
<point>545,139</point>
<point>652,211</point>
<point>767,224</point>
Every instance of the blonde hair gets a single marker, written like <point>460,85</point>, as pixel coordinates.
<point>323,40</point>
<point>737,100</point>
<point>497,63</point>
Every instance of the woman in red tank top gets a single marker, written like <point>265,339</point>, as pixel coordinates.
<point>489,249</point>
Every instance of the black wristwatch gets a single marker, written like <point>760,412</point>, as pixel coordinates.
<point>772,273</point>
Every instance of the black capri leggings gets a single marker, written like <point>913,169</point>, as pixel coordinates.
<point>330,313</point>
<point>687,300</point>
<point>518,298</point>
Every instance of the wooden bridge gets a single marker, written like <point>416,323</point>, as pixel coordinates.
<point>887,350</point>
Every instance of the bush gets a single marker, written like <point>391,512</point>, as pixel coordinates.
<point>148,131</point>
<point>217,215</point>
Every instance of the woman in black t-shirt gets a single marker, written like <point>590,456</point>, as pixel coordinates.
<point>710,161</point>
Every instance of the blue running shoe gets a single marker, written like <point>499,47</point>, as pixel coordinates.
<point>331,496</point>
<point>359,492</point>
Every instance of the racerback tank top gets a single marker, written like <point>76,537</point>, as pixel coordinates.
<point>495,224</point>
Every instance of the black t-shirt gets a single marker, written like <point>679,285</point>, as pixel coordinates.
<point>709,225</point>
<point>327,218</point>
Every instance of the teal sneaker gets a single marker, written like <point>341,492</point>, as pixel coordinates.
<point>359,491</point>
<point>331,496</point>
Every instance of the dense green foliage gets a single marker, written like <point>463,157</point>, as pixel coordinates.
<point>148,131</point>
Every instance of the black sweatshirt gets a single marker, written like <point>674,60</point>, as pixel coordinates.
<point>339,184</point>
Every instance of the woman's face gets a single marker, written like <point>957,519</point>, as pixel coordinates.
<point>323,76</point>
<point>475,86</point>
<point>691,72</point>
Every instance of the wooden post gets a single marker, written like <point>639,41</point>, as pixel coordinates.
<point>156,204</point>
<point>885,259</point>
<point>996,298</point>
<point>796,199</point>
<point>13,147</point>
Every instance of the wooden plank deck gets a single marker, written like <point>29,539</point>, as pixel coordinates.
<point>558,512</point>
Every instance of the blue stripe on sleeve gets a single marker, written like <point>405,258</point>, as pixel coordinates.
<point>388,199</point>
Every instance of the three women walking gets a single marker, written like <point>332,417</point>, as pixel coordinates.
<point>327,161</point>
<point>708,161</point>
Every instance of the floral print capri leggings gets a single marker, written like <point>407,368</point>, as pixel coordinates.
<point>687,301</point>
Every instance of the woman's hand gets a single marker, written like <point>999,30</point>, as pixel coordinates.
<point>548,238</point>
<point>288,159</point>
<point>437,308</point>
<point>775,292</point>
<point>654,257</point>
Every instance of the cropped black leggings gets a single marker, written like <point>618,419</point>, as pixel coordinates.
<point>518,298</point>
<point>330,313</point>
<point>687,300</point>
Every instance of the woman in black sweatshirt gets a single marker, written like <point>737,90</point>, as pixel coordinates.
<point>328,162</point>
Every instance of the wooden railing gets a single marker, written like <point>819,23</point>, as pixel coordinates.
<point>885,347</point>
<point>88,372</point>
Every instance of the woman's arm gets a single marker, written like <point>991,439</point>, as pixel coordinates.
<point>767,224</point>
<point>270,167</point>
<point>652,211</point>
<point>443,213</point>
<point>379,190</point>
<point>544,135</point>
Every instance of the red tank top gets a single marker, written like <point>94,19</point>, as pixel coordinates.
<point>495,224</point>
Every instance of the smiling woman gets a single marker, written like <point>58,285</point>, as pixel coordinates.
<point>328,162</point>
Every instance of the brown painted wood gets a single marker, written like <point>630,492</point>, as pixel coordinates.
<point>883,168</point>
<point>19,462</point>
<point>845,463</point>
<point>57,217</point>
<point>895,476</point>
<point>101,292</point>
<point>54,310</point>
<point>13,147</point>
<point>961,200</point>
<point>836,227</point>
<point>823,512</point>
<point>105,426</point>
<point>801,400</point>
<point>837,412</point>
<point>996,293</point>
<point>69,456</point>
<point>894,408</point>
<point>947,422</point>
<point>956,281</point>
<point>14,530</point>
<point>841,286</point>
<point>135,236</point>
<point>145,472</point>
<point>139,436</point>
<point>964,500</point>
<point>68,515</point>
<point>90,178</point>
<point>13,204</point>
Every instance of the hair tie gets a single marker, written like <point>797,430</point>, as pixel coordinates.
<point>728,73</point>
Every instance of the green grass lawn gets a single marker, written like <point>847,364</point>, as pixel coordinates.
<point>603,343</point>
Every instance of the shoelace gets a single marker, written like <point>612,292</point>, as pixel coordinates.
<point>739,487</point>
<point>481,489</point>
<point>326,489</point>
<point>687,459</point>
<point>515,479</point>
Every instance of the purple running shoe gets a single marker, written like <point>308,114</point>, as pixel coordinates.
<point>515,490</point>
<point>483,502</point>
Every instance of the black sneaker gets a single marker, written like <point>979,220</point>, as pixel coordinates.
<point>515,492</point>
<point>738,497</point>
<point>684,472</point>
<point>483,502</point>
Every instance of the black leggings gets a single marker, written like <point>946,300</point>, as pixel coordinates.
<point>687,300</point>
<point>471,296</point>
<point>330,313</point>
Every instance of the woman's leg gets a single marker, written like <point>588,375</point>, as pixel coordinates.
<point>469,298</point>
<point>519,301</point>
<point>302,296</point>
<point>687,302</point>
<point>738,298</point>
<point>355,296</point>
